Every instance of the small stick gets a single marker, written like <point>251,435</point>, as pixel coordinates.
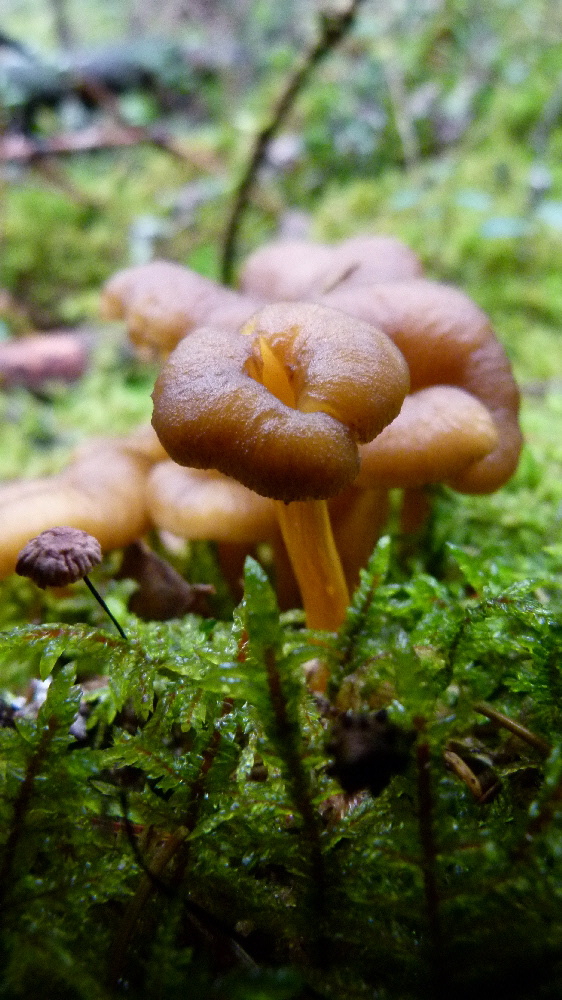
<point>514,727</point>
<point>463,771</point>
<point>333,29</point>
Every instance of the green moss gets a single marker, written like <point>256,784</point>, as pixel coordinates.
<point>192,838</point>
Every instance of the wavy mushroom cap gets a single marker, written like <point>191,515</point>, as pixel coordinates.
<point>204,504</point>
<point>447,340</point>
<point>101,492</point>
<point>438,434</point>
<point>281,405</point>
<point>297,269</point>
<point>161,302</point>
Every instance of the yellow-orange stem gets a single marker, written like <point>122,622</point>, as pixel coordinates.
<point>307,533</point>
<point>305,526</point>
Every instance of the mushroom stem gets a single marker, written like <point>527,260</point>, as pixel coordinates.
<point>415,510</point>
<point>102,604</point>
<point>307,533</point>
<point>306,529</point>
<point>359,516</point>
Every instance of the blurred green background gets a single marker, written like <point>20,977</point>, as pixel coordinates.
<point>437,121</point>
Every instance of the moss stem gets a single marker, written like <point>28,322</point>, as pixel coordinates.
<point>307,533</point>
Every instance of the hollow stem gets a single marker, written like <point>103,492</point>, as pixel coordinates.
<point>307,533</point>
<point>102,603</point>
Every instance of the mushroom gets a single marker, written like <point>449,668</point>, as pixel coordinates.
<point>459,424</point>
<point>440,433</point>
<point>447,341</point>
<point>102,492</point>
<point>38,358</point>
<point>161,302</point>
<point>60,556</point>
<point>204,504</point>
<point>299,269</point>
<point>281,407</point>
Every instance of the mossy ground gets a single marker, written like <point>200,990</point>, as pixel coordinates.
<point>147,852</point>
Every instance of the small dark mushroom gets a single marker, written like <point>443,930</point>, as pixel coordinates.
<point>60,556</point>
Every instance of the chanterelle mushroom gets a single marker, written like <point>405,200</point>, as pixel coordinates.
<point>299,269</point>
<point>282,407</point>
<point>459,425</point>
<point>161,302</point>
<point>102,491</point>
<point>204,504</point>
<point>448,341</point>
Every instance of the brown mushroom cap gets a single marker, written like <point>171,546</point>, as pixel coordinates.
<point>161,302</point>
<point>439,433</point>
<point>102,492</point>
<point>297,269</point>
<point>59,556</point>
<point>447,340</point>
<point>342,382</point>
<point>204,504</point>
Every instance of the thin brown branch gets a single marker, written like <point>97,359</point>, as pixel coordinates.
<point>402,119</point>
<point>158,865</point>
<point>459,767</point>
<point>505,722</point>
<point>333,29</point>
<point>107,135</point>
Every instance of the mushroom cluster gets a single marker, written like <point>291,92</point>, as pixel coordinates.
<point>281,406</point>
<point>161,302</point>
<point>102,491</point>
<point>288,410</point>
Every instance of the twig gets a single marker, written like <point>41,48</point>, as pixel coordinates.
<point>333,30</point>
<point>464,772</point>
<point>111,135</point>
<point>158,136</point>
<point>514,727</point>
<point>158,865</point>
<point>399,100</point>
